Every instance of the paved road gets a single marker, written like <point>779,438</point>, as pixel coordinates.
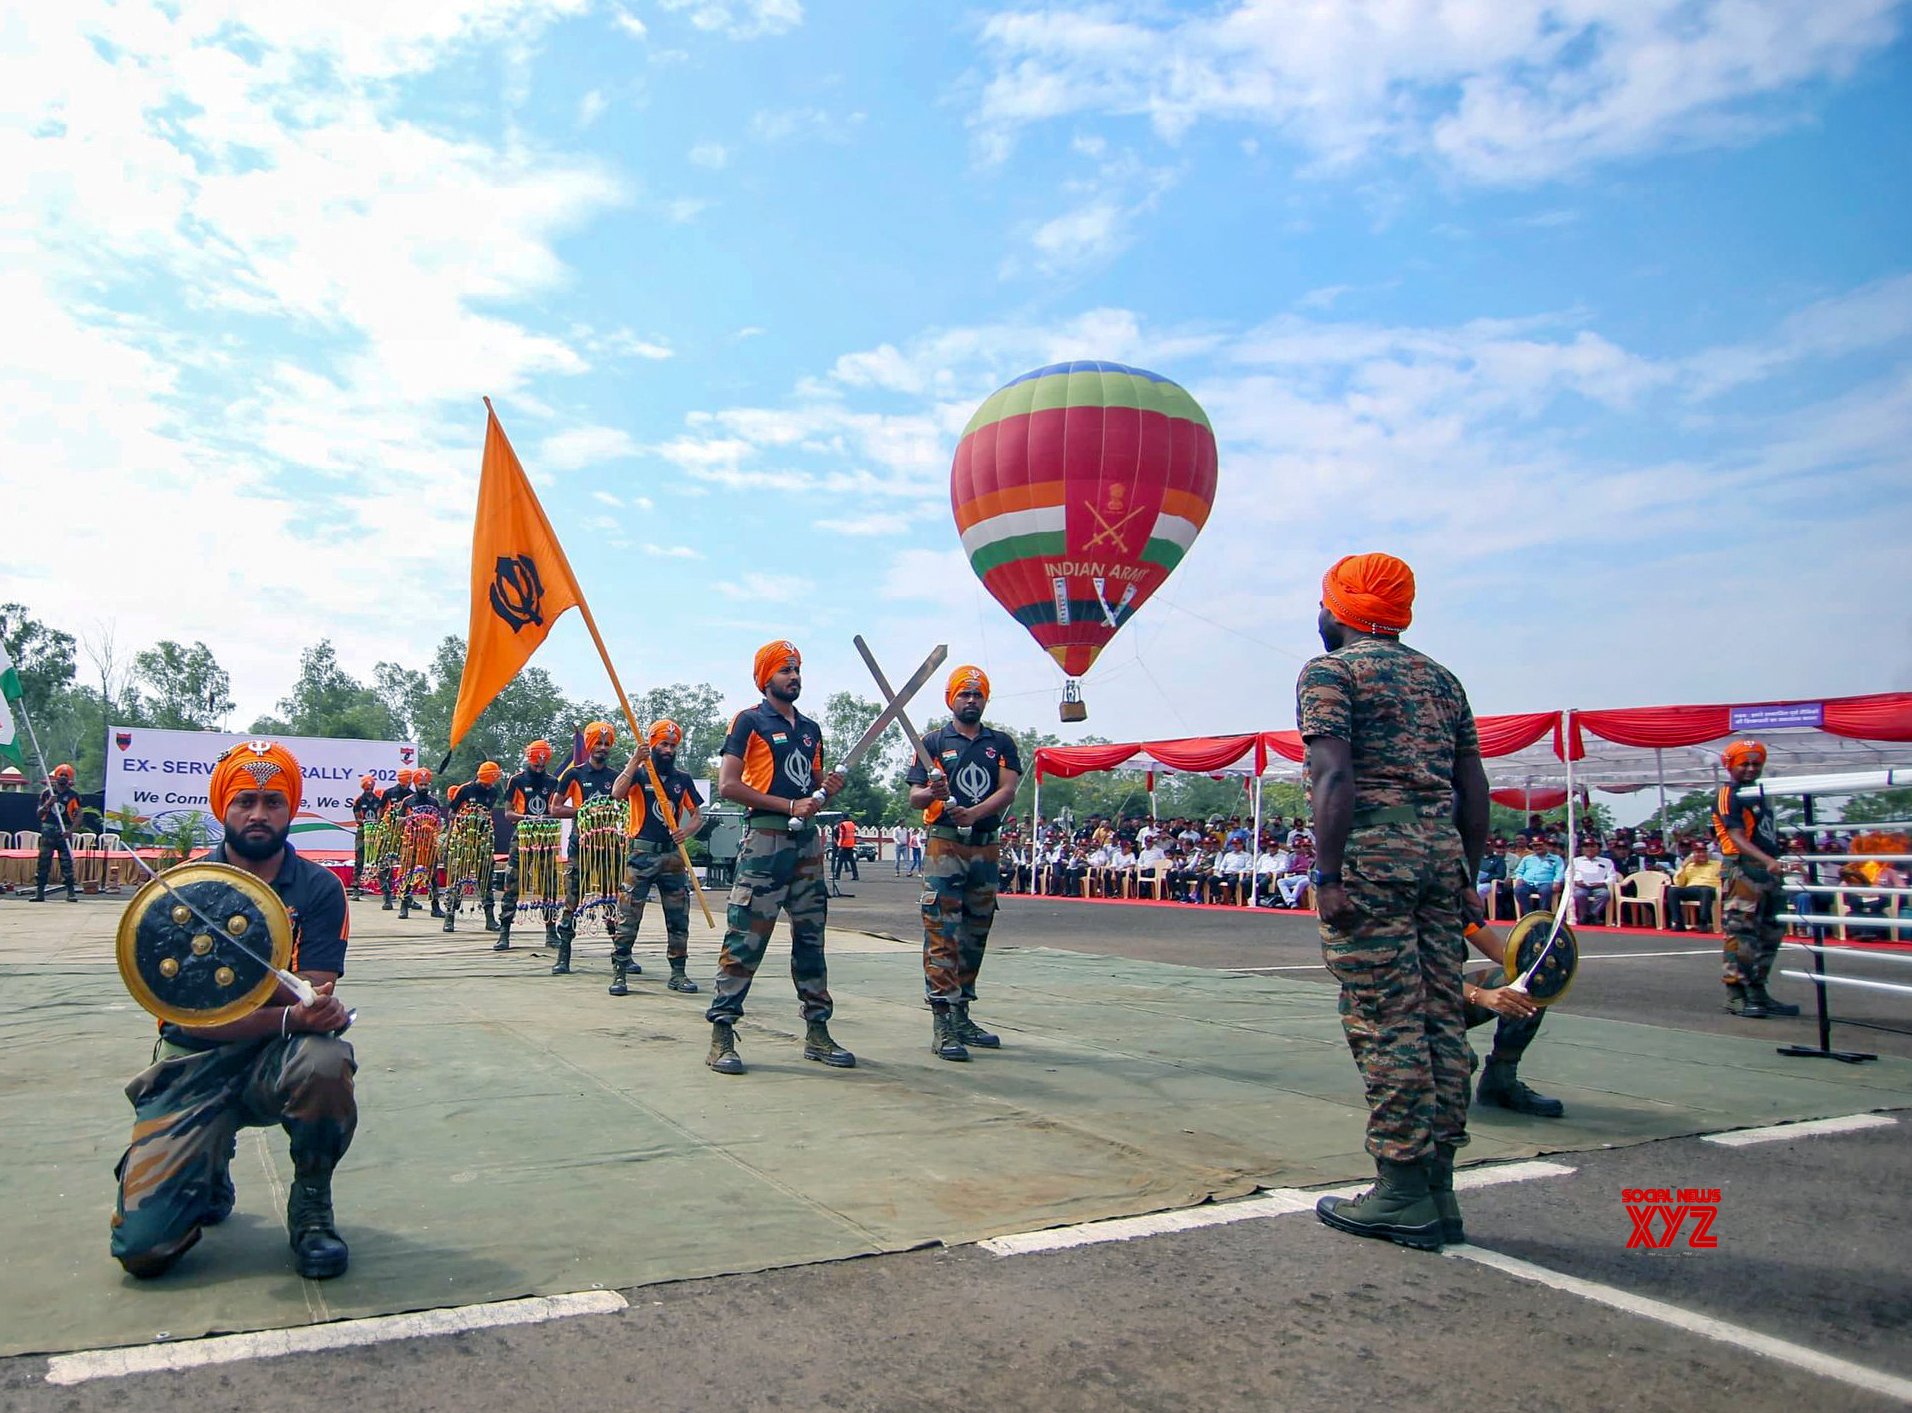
<point>1272,1312</point>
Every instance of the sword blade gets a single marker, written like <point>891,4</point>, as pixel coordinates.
<point>896,705</point>
<point>893,710</point>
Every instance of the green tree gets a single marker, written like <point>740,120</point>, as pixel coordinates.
<point>864,796</point>
<point>530,708</point>
<point>699,709</point>
<point>43,657</point>
<point>1878,807</point>
<point>190,690</point>
<point>326,700</point>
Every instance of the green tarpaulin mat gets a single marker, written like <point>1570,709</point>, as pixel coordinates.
<point>524,1134</point>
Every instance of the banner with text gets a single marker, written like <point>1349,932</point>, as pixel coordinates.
<point>155,776</point>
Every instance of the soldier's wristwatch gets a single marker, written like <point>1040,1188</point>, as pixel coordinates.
<point>1320,879</point>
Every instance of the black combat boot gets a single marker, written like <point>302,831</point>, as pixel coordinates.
<point>723,1056</point>
<point>969,1032</point>
<point>1439,1167</point>
<point>1756,994</point>
<point>562,966</point>
<point>1500,1084</point>
<point>451,920</point>
<point>678,981</point>
<point>943,1043</point>
<point>618,984</point>
<point>437,909</point>
<point>1397,1208</point>
<point>388,904</point>
<point>550,934</point>
<point>491,917</point>
<point>404,906</point>
<point>503,944</point>
<point>817,1045</point>
<point>317,1252</point>
<point>1735,998</point>
<point>73,896</point>
<point>39,891</point>
<point>221,1195</point>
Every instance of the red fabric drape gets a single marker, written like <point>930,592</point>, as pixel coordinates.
<point>1878,716</point>
<point>1067,762</point>
<point>1530,800</point>
<point>1198,755</point>
<point>1499,735</point>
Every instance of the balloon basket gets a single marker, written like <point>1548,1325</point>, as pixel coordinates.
<point>1073,708</point>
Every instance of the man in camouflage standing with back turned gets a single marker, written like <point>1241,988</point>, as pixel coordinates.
<point>1400,806</point>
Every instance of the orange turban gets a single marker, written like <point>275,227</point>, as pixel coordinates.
<point>62,771</point>
<point>598,733</point>
<point>773,658</point>
<point>1371,593</point>
<point>665,733</point>
<point>964,679</point>
<point>537,753</point>
<point>489,772</point>
<point>1740,752</point>
<point>254,765</point>
<point>368,782</point>
<point>405,776</point>
<point>421,777</point>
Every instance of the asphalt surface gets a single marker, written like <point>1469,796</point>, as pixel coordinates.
<point>1273,1312</point>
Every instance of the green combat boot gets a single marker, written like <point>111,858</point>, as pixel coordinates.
<point>1439,1167</point>
<point>943,1041</point>
<point>317,1251</point>
<point>550,934</point>
<point>678,981</point>
<point>491,917</point>
<point>503,944</point>
<point>1500,1085</point>
<point>619,987</point>
<point>1758,996</point>
<point>1735,998</point>
<point>1397,1208</point>
<point>970,1033</point>
<point>817,1045</point>
<point>562,966</point>
<point>451,920</point>
<point>723,1056</point>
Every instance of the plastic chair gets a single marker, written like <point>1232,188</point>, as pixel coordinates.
<point>1152,879</point>
<point>1649,891</point>
<point>26,839</point>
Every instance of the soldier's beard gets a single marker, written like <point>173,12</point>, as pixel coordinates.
<point>665,761</point>
<point>969,715</point>
<point>786,695</point>
<point>257,846</point>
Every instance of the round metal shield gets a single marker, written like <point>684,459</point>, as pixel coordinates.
<point>184,971</point>
<point>1526,942</point>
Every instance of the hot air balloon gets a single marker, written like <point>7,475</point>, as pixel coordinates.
<point>1077,489</point>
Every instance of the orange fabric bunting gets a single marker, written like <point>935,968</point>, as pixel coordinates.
<point>963,679</point>
<point>1740,752</point>
<point>598,733</point>
<point>1371,593</point>
<point>254,765</point>
<point>665,733</point>
<point>773,658</point>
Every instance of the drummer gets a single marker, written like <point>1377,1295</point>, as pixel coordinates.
<point>479,795</point>
<point>420,801</point>
<point>528,795</point>
<point>391,805</point>
<point>578,785</point>
<point>281,1066</point>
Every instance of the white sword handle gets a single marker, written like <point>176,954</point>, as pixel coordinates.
<point>821,799</point>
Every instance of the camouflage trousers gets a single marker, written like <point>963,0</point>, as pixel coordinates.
<point>777,871</point>
<point>1748,910</point>
<point>1400,974</point>
<point>672,880</point>
<point>1511,1037</point>
<point>483,893</point>
<point>508,900</point>
<point>51,844</point>
<point>959,904</point>
<point>187,1109</point>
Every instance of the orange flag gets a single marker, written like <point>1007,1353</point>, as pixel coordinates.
<point>521,583</point>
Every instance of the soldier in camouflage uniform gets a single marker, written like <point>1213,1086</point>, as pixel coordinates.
<point>977,770</point>
<point>1400,807</point>
<point>772,765</point>
<point>655,858</point>
<point>528,795</point>
<point>1751,886</point>
<point>59,817</point>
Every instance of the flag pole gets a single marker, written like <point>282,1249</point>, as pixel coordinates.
<point>650,768</point>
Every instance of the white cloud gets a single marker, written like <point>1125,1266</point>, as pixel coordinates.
<point>1516,91</point>
<point>756,587</point>
<point>672,552</point>
<point>643,503</point>
<point>628,22</point>
<point>578,447</point>
<point>591,107</point>
<point>713,155</point>
<point>787,124</point>
<point>740,19</point>
<point>684,209</point>
<point>876,523</point>
<point>606,498</point>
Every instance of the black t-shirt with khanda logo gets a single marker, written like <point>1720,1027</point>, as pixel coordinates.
<point>393,800</point>
<point>473,795</point>
<point>974,769</point>
<point>647,822</point>
<point>580,784</point>
<point>530,792</point>
<point>366,806</point>
<point>781,756</point>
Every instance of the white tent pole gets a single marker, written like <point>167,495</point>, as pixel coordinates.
<point>1659,771</point>
<point>1566,883</point>
<point>1254,852</point>
<point>1035,842</point>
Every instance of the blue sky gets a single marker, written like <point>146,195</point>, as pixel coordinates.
<point>1599,313</point>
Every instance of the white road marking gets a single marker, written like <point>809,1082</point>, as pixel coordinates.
<point>309,1339</point>
<point>1797,1355</point>
<point>1812,1128</point>
<point>1275,1202</point>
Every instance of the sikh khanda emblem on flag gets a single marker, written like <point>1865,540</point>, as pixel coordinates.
<point>1077,489</point>
<point>521,583</point>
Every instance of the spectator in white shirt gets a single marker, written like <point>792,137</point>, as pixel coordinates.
<point>900,841</point>
<point>1593,882</point>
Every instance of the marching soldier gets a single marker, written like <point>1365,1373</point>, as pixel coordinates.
<point>962,808</point>
<point>1400,804</point>
<point>478,795</point>
<point>59,817</point>
<point>593,779</point>
<point>654,856</point>
<point>364,814</point>
<point>1750,886</point>
<point>528,795</point>
<point>284,1065</point>
<point>391,806</point>
<point>419,800</point>
<point>772,765</point>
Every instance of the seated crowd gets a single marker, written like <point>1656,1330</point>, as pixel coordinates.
<point>1172,860</point>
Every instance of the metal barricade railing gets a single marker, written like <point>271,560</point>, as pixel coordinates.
<point>1821,979</point>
